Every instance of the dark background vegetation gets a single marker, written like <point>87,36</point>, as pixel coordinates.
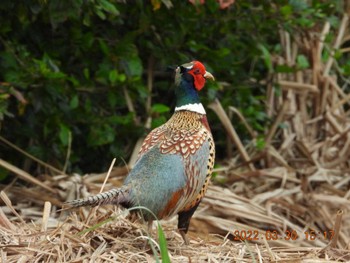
<point>68,67</point>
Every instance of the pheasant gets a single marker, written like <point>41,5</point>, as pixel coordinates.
<point>175,162</point>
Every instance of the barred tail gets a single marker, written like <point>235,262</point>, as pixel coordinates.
<point>114,196</point>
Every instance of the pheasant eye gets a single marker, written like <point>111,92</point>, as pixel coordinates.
<point>197,71</point>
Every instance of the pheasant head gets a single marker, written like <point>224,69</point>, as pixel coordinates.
<point>189,79</point>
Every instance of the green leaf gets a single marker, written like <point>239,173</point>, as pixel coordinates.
<point>109,7</point>
<point>112,99</point>
<point>101,135</point>
<point>100,14</point>
<point>346,69</point>
<point>266,56</point>
<point>298,5</point>
<point>86,73</point>
<point>113,76</point>
<point>122,77</point>
<point>163,245</point>
<point>74,102</point>
<point>103,46</point>
<point>87,20</point>
<point>160,108</point>
<point>134,65</point>
<point>156,122</point>
<point>286,10</point>
<point>284,69</point>
<point>338,54</point>
<point>3,173</point>
<point>260,143</point>
<point>302,62</point>
<point>64,134</point>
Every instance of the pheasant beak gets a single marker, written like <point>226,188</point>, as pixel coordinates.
<point>208,75</point>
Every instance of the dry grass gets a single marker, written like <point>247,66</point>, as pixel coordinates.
<point>302,190</point>
<point>106,234</point>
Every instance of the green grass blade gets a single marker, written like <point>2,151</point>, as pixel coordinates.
<point>163,245</point>
<point>96,225</point>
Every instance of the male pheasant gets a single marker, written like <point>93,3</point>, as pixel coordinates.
<point>175,162</point>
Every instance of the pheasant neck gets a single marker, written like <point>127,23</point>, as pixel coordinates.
<point>187,98</point>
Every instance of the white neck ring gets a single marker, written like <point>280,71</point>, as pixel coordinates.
<point>195,107</point>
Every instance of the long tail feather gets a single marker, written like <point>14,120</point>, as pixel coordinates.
<point>114,196</point>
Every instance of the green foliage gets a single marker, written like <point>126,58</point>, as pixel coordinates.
<point>302,62</point>
<point>267,57</point>
<point>66,67</point>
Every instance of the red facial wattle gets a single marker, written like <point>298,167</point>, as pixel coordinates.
<point>198,71</point>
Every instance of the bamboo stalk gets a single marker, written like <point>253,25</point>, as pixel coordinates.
<point>35,196</point>
<point>217,108</point>
<point>338,41</point>
<point>244,121</point>
<point>150,73</point>
<point>337,89</point>
<point>333,122</point>
<point>5,222</point>
<point>337,226</point>
<point>346,99</point>
<point>50,167</point>
<point>25,176</point>
<point>324,33</point>
<point>129,104</point>
<point>343,156</point>
<point>107,175</point>
<point>8,203</point>
<point>272,152</point>
<point>270,97</point>
<point>46,216</point>
<point>324,95</point>
<point>135,152</point>
<point>301,87</point>
<point>277,121</point>
<point>287,48</point>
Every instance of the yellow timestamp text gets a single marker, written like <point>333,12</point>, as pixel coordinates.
<point>255,235</point>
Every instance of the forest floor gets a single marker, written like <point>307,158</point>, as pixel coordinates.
<point>234,224</point>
